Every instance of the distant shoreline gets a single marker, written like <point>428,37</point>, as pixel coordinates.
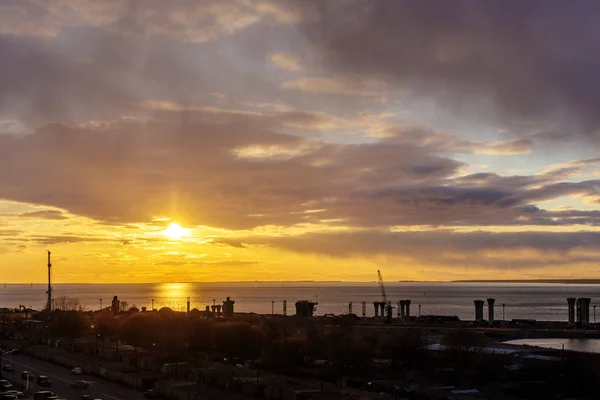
<point>560,281</point>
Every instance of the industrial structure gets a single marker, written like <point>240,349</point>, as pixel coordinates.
<point>49,291</point>
<point>384,304</point>
<point>478,310</point>
<point>583,311</point>
<point>571,303</point>
<point>490,303</point>
<point>305,308</point>
<point>228,308</point>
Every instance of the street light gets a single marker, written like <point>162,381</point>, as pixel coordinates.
<point>152,304</point>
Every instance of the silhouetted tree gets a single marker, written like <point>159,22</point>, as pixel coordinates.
<point>64,303</point>
<point>106,324</point>
<point>68,324</point>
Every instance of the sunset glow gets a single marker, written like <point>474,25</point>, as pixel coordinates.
<point>230,140</point>
<point>175,231</point>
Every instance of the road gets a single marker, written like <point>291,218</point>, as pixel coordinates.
<point>61,377</point>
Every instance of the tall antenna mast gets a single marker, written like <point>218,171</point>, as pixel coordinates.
<point>49,292</point>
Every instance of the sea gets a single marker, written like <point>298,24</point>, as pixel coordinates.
<point>540,301</point>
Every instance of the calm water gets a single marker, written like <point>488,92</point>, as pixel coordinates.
<point>539,301</point>
<point>585,345</point>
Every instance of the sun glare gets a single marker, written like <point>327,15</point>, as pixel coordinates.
<point>175,231</point>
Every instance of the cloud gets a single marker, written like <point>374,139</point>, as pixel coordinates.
<point>44,214</point>
<point>287,61</point>
<point>529,61</point>
<point>10,232</point>
<point>508,147</point>
<point>205,171</point>
<point>450,249</point>
<point>342,86</point>
<point>62,239</point>
<point>132,172</point>
<point>185,20</point>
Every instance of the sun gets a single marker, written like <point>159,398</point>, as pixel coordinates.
<point>175,231</point>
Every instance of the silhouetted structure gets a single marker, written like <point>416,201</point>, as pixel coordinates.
<point>49,303</point>
<point>376,306</point>
<point>402,310</point>
<point>228,308</point>
<point>284,308</point>
<point>349,307</point>
<point>583,311</point>
<point>115,304</point>
<point>305,308</point>
<point>490,303</point>
<point>364,309</point>
<point>478,310</point>
<point>571,303</point>
<point>407,305</point>
<point>188,305</point>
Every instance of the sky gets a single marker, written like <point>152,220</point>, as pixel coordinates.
<point>269,140</point>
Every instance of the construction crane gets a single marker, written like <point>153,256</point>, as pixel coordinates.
<point>386,308</point>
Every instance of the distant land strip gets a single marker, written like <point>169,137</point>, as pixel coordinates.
<point>563,281</point>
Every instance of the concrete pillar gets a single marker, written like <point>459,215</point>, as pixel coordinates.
<point>399,310</point>
<point>585,305</point>
<point>349,307</point>
<point>402,309</point>
<point>478,310</point>
<point>188,305</point>
<point>284,308</point>
<point>571,303</point>
<point>364,309</point>
<point>376,306</point>
<point>490,303</point>
<point>407,310</point>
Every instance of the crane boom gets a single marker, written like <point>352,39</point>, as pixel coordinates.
<point>381,287</point>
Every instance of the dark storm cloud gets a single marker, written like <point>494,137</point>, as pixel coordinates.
<point>537,60</point>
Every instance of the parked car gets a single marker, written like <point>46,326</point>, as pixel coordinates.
<point>16,393</point>
<point>5,385</point>
<point>77,371</point>
<point>152,394</point>
<point>43,395</point>
<point>79,384</point>
<point>26,375</point>
<point>44,381</point>
<point>8,368</point>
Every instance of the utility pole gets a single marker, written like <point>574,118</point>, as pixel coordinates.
<point>100,304</point>
<point>49,292</point>
<point>273,307</point>
<point>503,307</point>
